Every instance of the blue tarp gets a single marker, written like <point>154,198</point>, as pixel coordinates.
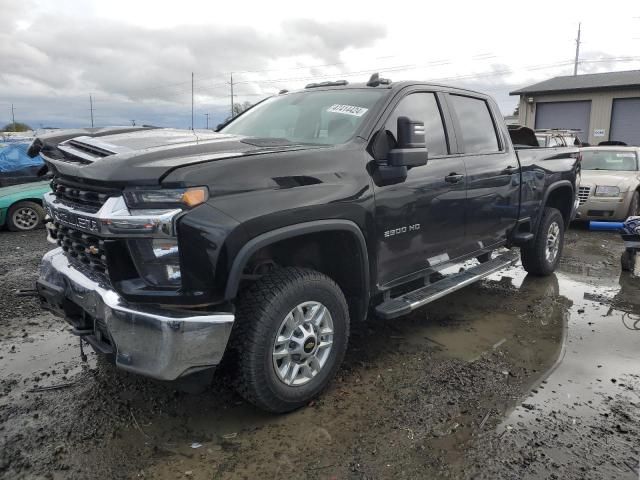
<point>13,156</point>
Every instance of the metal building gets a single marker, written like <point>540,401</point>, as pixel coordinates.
<point>603,106</point>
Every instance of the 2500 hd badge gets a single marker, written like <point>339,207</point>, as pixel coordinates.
<point>399,231</point>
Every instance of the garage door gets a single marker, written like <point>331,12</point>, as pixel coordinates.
<point>570,115</point>
<point>625,121</point>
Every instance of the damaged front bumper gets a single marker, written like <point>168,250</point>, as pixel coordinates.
<point>158,343</point>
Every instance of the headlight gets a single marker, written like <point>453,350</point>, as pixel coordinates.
<point>606,191</point>
<point>166,197</point>
<point>157,261</point>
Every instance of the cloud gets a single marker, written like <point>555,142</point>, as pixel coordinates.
<point>51,67</point>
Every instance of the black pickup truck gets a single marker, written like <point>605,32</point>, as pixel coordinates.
<point>268,241</point>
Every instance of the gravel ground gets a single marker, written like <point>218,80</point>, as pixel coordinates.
<point>515,377</point>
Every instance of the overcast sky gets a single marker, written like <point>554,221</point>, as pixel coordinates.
<point>136,56</point>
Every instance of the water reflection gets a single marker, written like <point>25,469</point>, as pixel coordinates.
<point>599,347</point>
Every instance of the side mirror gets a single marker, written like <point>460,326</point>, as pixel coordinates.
<point>412,147</point>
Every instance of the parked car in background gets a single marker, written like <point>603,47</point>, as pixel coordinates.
<point>16,166</point>
<point>610,183</point>
<point>558,138</point>
<point>21,206</point>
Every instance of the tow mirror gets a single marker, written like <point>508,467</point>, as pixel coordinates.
<point>411,150</point>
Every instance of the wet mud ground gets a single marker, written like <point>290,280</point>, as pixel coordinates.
<point>514,377</point>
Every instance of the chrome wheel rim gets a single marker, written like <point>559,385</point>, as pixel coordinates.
<point>553,242</point>
<point>303,344</point>
<point>25,218</point>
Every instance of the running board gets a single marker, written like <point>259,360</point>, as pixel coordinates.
<point>408,302</point>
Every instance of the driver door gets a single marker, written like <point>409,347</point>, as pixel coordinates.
<point>420,222</point>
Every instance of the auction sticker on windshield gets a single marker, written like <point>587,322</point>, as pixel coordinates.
<point>348,110</point>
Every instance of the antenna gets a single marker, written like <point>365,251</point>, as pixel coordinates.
<point>375,80</point>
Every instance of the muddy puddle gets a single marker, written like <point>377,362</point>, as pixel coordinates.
<point>45,356</point>
<point>515,377</point>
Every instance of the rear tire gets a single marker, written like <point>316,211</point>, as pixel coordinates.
<point>280,345</point>
<point>24,216</point>
<point>542,255</point>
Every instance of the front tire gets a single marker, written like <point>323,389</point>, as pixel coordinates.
<point>542,255</point>
<point>290,337</point>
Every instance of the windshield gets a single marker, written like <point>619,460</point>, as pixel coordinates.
<point>609,160</point>
<point>327,117</point>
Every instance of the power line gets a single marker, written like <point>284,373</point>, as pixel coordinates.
<point>202,87</point>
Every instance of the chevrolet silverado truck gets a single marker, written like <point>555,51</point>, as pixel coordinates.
<point>264,243</point>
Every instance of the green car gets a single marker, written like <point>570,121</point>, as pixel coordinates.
<point>21,206</point>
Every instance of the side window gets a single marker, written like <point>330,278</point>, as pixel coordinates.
<point>478,131</point>
<point>424,107</point>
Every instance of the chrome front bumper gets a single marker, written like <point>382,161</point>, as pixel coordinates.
<point>158,343</point>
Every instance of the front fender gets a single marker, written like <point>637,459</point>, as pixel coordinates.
<point>291,231</point>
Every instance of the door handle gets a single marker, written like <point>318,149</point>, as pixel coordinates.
<point>453,178</point>
<point>509,170</point>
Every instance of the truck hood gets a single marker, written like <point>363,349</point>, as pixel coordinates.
<point>146,156</point>
<point>623,180</point>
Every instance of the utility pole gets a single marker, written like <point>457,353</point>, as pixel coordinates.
<point>231,83</point>
<point>91,108</point>
<point>575,63</point>
<point>207,115</point>
<point>191,100</point>
<point>13,118</point>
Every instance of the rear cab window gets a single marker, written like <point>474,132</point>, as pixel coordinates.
<point>477,128</point>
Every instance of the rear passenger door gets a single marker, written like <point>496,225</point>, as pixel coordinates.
<point>493,187</point>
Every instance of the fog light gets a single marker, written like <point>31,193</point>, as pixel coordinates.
<point>157,261</point>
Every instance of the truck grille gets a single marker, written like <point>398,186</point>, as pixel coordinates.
<point>81,197</point>
<point>84,247</point>
<point>583,194</point>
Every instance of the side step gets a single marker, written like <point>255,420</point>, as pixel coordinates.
<point>408,302</point>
